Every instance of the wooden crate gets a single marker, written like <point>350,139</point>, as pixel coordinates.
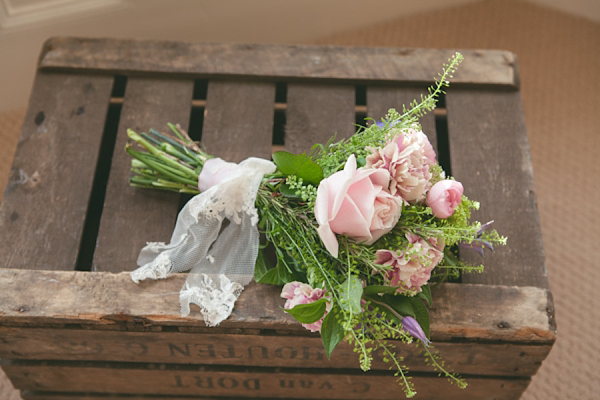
<point>74,326</point>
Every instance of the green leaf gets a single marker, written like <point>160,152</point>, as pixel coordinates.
<point>281,274</point>
<point>299,165</point>
<point>260,267</point>
<point>375,289</point>
<point>351,293</point>
<point>425,294</point>
<point>421,314</point>
<point>401,304</point>
<point>332,333</point>
<point>286,191</point>
<point>308,313</point>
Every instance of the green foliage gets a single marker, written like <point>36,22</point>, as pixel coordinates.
<point>376,289</point>
<point>296,188</point>
<point>433,359</point>
<point>299,165</point>
<point>420,313</point>
<point>332,332</point>
<point>308,313</point>
<point>287,190</point>
<point>283,272</point>
<point>333,156</point>
<point>350,294</point>
<point>425,294</point>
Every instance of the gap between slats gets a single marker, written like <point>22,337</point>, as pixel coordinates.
<point>356,106</point>
<point>280,108</point>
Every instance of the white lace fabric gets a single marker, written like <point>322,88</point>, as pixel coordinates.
<point>216,239</point>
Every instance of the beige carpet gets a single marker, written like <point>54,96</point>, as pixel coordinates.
<point>559,59</point>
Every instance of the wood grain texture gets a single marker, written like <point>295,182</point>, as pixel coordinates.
<point>276,62</point>
<point>465,311</point>
<point>315,112</point>
<point>283,383</point>
<point>487,128</point>
<point>505,359</point>
<point>48,192</point>
<point>38,395</point>
<point>131,217</point>
<point>381,99</point>
<point>238,120</point>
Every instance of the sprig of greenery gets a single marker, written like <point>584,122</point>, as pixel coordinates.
<point>333,155</point>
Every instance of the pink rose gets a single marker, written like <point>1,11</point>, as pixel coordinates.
<point>354,202</point>
<point>301,293</point>
<point>407,156</point>
<point>387,212</point>
<point>213,172</point>
<point>444,197</point>
<point>412,267</point>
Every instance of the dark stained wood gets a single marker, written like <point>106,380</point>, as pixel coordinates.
<point>46,199</point>
<point>238,120</point>
<point>484,312</point>
<point>178,380</point>
<point>317,112</point>
<point>37,395</point>
<point>276,62</point>
<point>131,217</point>
<point>487,128</point>
<point>381,99</point>
<point>505,359</point>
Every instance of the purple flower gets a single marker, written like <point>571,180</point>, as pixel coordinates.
<point>411,326</point>
<point>478,244</point>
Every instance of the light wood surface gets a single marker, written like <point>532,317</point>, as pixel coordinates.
<point>275,61</point>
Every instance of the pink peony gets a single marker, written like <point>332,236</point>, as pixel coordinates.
<point>412,267</point>
<point>407,157</point>
<point>214,171</point>
<point>444,197</point>
<point>301,293</point>
<point>354,202</point>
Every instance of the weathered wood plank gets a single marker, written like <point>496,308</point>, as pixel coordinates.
<point>316,112</point>
<point>238,120</point>
<point>37,395</point>
<point>47,196</point>
<point>203,381</point>
<point>488,129</point>
<point>484,312</point>
<point>276,62</point>
<point>131,217</point>
<point>254,350</point>
<point>381,99</point>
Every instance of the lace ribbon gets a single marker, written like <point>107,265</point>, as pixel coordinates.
<point>215,238</point>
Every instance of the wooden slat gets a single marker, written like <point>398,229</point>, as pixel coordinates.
<point>255,350</point>
<point>48,191</point>
<point>276,62</point>
<point>381,99</point>
<point>238,120</point>
<point>487,128</point>
<point>37,395</point>
<point>178,380</point>
<point>485,312</point>
<point>131,217</point>
<point>317,112</point>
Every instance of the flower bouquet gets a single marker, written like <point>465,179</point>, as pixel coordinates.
<point>355,230</point>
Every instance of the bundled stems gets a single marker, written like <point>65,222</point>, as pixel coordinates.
<point>169,163</point>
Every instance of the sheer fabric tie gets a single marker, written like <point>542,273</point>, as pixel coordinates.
<point>215,238</point>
